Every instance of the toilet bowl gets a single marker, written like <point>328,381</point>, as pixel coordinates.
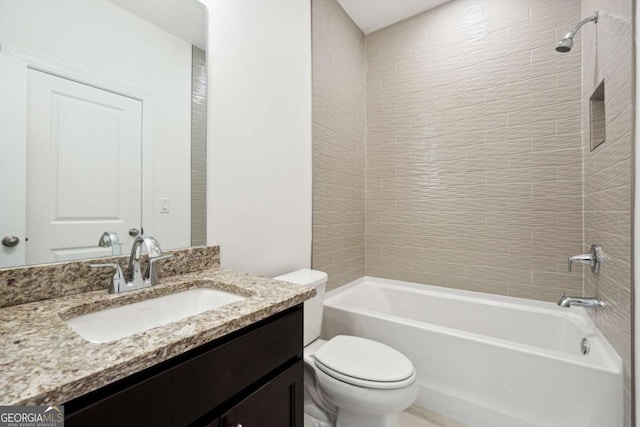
<point>350,381</point>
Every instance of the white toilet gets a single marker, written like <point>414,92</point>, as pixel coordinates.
<point>349,381</point>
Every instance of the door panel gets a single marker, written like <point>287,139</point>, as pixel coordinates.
<point>13,161</point>
<point>84,176</point>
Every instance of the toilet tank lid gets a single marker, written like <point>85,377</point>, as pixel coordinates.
<point>306,277</point>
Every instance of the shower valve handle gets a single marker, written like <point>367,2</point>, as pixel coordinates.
<point>593,258</point>
<point>583,259</point>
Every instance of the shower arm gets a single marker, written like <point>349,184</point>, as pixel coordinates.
<point>593,18</point>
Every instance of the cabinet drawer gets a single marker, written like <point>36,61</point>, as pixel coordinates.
<point>279,403</point>
<point>185,390</point>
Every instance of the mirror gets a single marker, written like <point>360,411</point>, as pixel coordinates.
<point>102,127</point>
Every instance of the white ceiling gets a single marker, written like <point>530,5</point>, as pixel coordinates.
<point>371,15</point>
<point>186,19</point>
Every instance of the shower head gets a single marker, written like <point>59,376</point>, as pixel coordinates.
<point>566,43</point>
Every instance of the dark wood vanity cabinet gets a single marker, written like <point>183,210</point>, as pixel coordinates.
<point>250,378</point>
<point>278,403</point>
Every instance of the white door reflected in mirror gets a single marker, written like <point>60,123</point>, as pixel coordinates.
<point>84,150</point>
<point>13,163</point>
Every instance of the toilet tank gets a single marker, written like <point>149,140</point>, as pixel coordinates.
<point>313,306</point>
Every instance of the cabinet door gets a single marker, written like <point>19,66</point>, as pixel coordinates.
<point>279,403</point>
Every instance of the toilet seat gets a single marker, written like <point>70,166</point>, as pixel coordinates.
<point>365,363</point>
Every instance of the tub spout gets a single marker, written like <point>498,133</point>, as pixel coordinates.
<point>589,302</point>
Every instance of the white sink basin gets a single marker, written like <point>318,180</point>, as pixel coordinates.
<point>126,320</point>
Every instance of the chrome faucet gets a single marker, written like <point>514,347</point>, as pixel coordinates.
<point>136,279</point>
<point>589,302</point>
<point>110,239</point>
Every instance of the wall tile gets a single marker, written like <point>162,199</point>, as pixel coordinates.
<point>339,140</point>
<point>495,156</point>
<point>607,172</point>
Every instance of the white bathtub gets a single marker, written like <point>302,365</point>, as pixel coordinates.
<point>486,360</point>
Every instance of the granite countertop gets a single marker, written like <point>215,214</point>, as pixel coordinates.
<point>44,362</point>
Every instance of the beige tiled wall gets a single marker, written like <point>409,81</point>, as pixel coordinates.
<point>606,55</point>
<point>474,163</point>
<point>338,144</point>
<point>198,147</point>
<point>477,138</point>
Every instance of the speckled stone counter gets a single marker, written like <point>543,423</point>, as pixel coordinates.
<point>31,283</point>
<point>43,361</point>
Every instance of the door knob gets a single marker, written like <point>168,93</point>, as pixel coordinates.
<point>134,232</point>
<point>10,241</point>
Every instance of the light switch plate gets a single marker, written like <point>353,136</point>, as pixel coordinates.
<point>165,205</point>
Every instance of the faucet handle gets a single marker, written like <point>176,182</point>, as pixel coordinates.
<point>593,258</point>
<point>583,259</point>
<point>153,272</point>
<point>118,283</point>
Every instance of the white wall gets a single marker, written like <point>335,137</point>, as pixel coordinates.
<point>259,134</point>
<point>99,38</point>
